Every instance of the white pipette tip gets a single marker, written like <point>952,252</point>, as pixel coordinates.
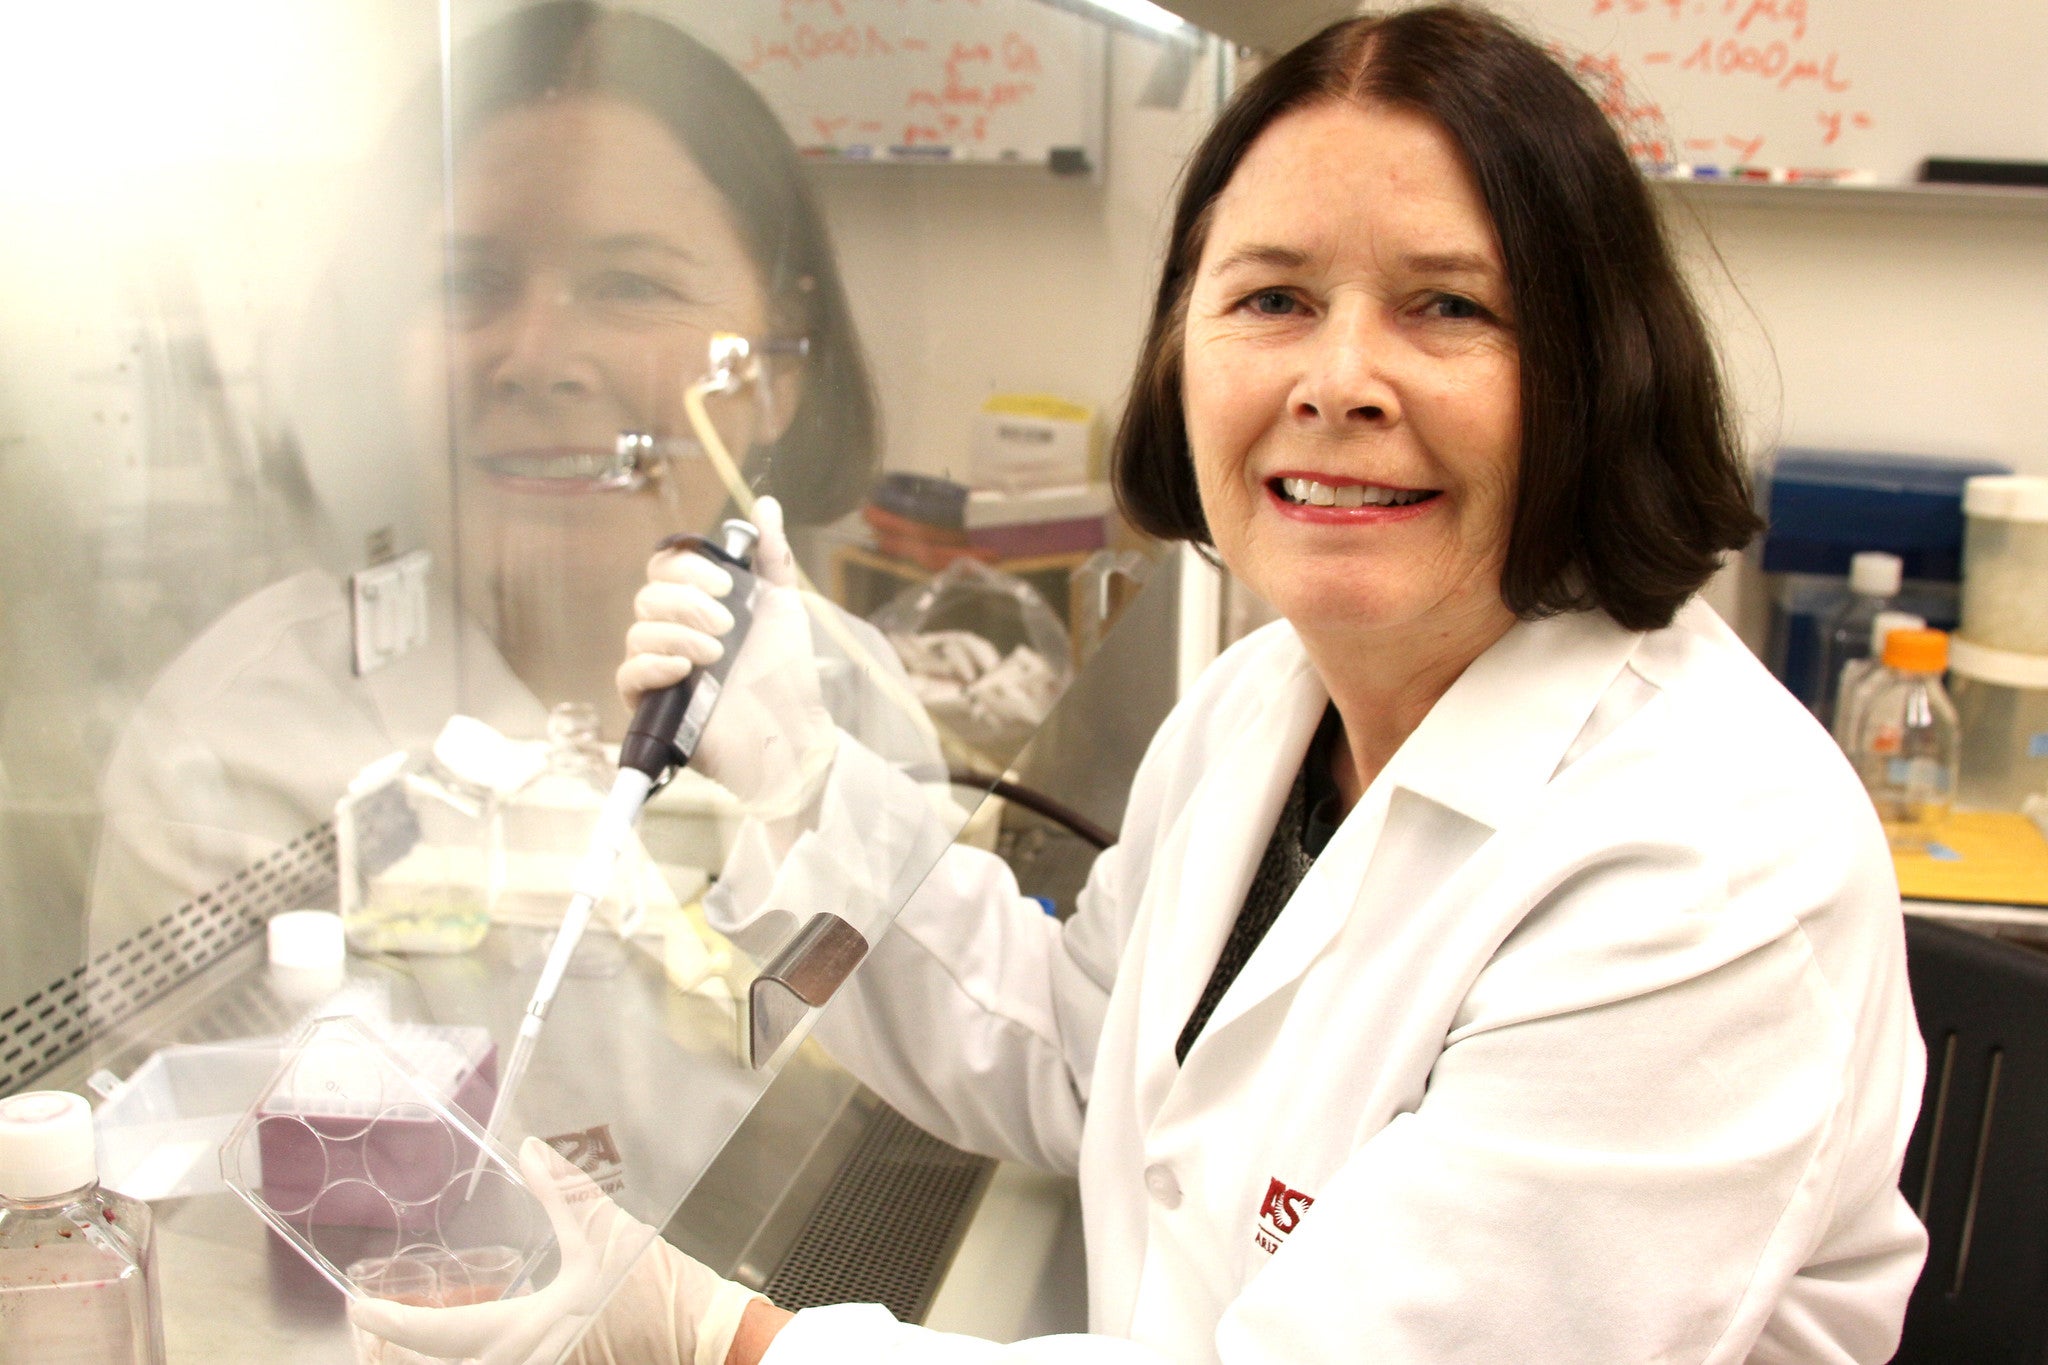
<point>515,1070</point>
<point>508,1082</point>
<point>593,880</point>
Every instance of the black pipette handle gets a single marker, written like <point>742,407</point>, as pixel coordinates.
<point>668,724</point>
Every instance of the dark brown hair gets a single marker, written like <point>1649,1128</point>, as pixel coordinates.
<point>824,462</point>
<point>1631,484</point>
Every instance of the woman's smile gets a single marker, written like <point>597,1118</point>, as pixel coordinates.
<point>1334,500</point>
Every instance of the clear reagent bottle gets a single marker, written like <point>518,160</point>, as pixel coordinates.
<point>1858,675</point>
<point>1874,579</point>
<point>78,1277</point>
<point>1907,741</point>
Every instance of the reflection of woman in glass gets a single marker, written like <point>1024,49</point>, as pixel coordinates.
<point>619,195</point>
<point>616,194</point>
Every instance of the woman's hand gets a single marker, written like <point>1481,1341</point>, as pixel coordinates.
<point>667,1308</point>
<point>770,737</point>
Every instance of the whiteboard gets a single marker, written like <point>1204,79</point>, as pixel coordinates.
<point>1864,85</point>
<point>921,80</point>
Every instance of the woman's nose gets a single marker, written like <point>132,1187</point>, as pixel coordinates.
<point>538,353</point>
<point>1345,382</point>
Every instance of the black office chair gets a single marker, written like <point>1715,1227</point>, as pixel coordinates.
<point>1976,1170</point>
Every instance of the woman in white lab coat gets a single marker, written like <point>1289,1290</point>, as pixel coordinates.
<point>1494,963</point>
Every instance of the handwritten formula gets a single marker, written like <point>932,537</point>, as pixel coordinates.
<point>921,79</point>
<point>1729,82</point>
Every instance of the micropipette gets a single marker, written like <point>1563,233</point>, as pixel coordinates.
<point>666,729</point>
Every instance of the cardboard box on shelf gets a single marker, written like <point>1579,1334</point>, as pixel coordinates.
<point>1031,440</point>
<point>1064,519</point>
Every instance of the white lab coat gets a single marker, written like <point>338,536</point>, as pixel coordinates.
<point>246,740</point>
<point>248,737</point>
<point>1586,1039</point>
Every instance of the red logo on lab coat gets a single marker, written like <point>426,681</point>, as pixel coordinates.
<point>1279,1214</point>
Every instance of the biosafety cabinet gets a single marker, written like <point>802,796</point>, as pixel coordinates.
<point>354,358</point>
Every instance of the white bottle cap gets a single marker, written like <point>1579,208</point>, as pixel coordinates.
<point>46,1144</point>
<point>308,953</point>
<point>1886,622</point>
<point>309,939</point>
<point>1873,573</point>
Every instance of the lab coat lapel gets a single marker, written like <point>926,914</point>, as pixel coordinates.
<point>1497,737</point>
<point>1489,745</point>
<point>1198,890</point>
<point>1326,898</point>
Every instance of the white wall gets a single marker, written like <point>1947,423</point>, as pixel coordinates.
<point>1884,329</point>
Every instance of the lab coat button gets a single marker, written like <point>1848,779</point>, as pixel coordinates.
<point>1163,1187</point>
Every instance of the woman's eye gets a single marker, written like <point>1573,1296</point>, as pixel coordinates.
<point>476,293</point>
<point>1271,303</point>
<point>1454,306</point>
<point>475,286</point>
<point>626,286</point>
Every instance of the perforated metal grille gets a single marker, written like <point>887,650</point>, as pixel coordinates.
<point>888,1226</point>
<point>57,1020</point>
<point>47,1026</point>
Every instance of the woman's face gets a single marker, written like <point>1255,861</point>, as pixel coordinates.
<point>1351,382</point>
<point>588,265</point>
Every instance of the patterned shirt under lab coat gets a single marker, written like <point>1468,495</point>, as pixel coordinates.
<point>1586,1039</point>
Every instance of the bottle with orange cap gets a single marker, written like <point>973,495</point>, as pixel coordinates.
<point>1861,675</point>
<point>1906,739</point>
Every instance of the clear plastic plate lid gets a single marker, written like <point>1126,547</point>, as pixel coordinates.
<point>363,1153</point>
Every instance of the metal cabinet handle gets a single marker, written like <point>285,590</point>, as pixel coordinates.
<point>797,980</point>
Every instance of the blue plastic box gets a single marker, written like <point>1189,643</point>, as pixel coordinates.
<point>1825,506</point>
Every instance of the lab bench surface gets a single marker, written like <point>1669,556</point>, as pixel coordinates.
<point>768,1170</point>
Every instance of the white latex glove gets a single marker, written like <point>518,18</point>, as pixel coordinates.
<point>668,1310</point>
<point>771,738</point>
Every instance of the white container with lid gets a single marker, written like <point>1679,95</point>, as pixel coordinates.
<point>2000,657</point>
<point>2005,564</point>
<point>2002,700</point>
<point>160,1129</point>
